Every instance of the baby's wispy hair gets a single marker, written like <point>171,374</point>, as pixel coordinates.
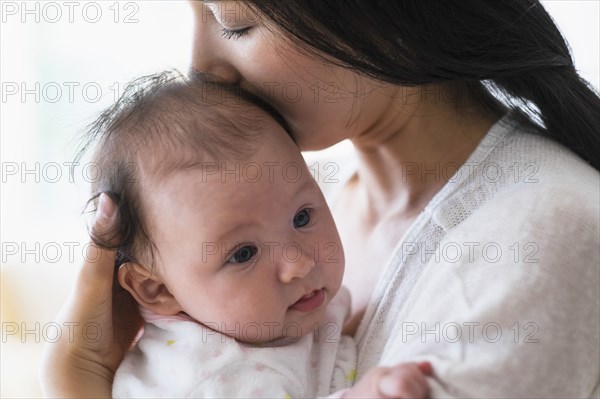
<point>160,124</point>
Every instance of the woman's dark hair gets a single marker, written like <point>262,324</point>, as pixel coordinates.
<point>512,47</point>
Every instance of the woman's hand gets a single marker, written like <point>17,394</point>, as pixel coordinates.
<point>404,381</point>
<point>102,319</point>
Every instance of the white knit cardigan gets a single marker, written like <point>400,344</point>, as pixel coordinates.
<point>508,306</point>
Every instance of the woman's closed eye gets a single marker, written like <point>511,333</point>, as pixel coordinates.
<point>234,33</point>
<point>302,218</point>
<point>243,254</point>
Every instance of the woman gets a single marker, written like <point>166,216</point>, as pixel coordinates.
<point>471,233</point>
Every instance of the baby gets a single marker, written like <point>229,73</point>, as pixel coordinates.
<point>227,244</point>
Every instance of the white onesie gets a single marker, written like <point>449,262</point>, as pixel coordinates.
<point>177,357</point>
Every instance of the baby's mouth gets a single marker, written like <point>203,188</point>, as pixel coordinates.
<point>310,301</point>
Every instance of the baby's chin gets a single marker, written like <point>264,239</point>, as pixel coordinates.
<point>281,334</point>
<point>273,340</point>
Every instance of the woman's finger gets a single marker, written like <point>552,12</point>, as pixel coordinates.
<point>95,278</point>
<point>83,363</point>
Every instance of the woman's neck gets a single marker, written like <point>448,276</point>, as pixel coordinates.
<point>410,154</point>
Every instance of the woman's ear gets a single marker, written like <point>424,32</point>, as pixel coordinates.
<point>148,289</point>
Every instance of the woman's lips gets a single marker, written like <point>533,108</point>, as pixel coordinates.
<point>310,301</point>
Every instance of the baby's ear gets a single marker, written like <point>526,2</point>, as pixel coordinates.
<point>148,289</point>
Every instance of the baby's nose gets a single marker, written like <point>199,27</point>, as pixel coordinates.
<point>295,266</point>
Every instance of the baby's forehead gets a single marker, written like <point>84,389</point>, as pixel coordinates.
<point>224,109</point>
<point>216,133</point>
<point>235,98</point>
<point>183,124</point>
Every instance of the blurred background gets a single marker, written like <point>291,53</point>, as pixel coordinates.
<point>60,63</point>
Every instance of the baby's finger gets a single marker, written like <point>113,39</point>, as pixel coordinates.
<point>425,367</point>
<point>366,387</point>
<point>404,381</point>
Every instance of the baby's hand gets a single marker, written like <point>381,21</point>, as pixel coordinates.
<point>404,381</point>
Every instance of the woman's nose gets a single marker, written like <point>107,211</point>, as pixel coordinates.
<point>210,54</point>
<point>295,264</point>
<point>218,68</point>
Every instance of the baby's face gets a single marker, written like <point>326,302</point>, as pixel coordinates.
<point>250,249</point>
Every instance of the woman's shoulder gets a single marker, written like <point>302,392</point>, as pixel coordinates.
<point>524,176</point>
<point>546,181</point>
<point>532,201</point>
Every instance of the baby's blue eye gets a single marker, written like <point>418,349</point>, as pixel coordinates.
<point>244,254</point>
<point>302,218</point>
